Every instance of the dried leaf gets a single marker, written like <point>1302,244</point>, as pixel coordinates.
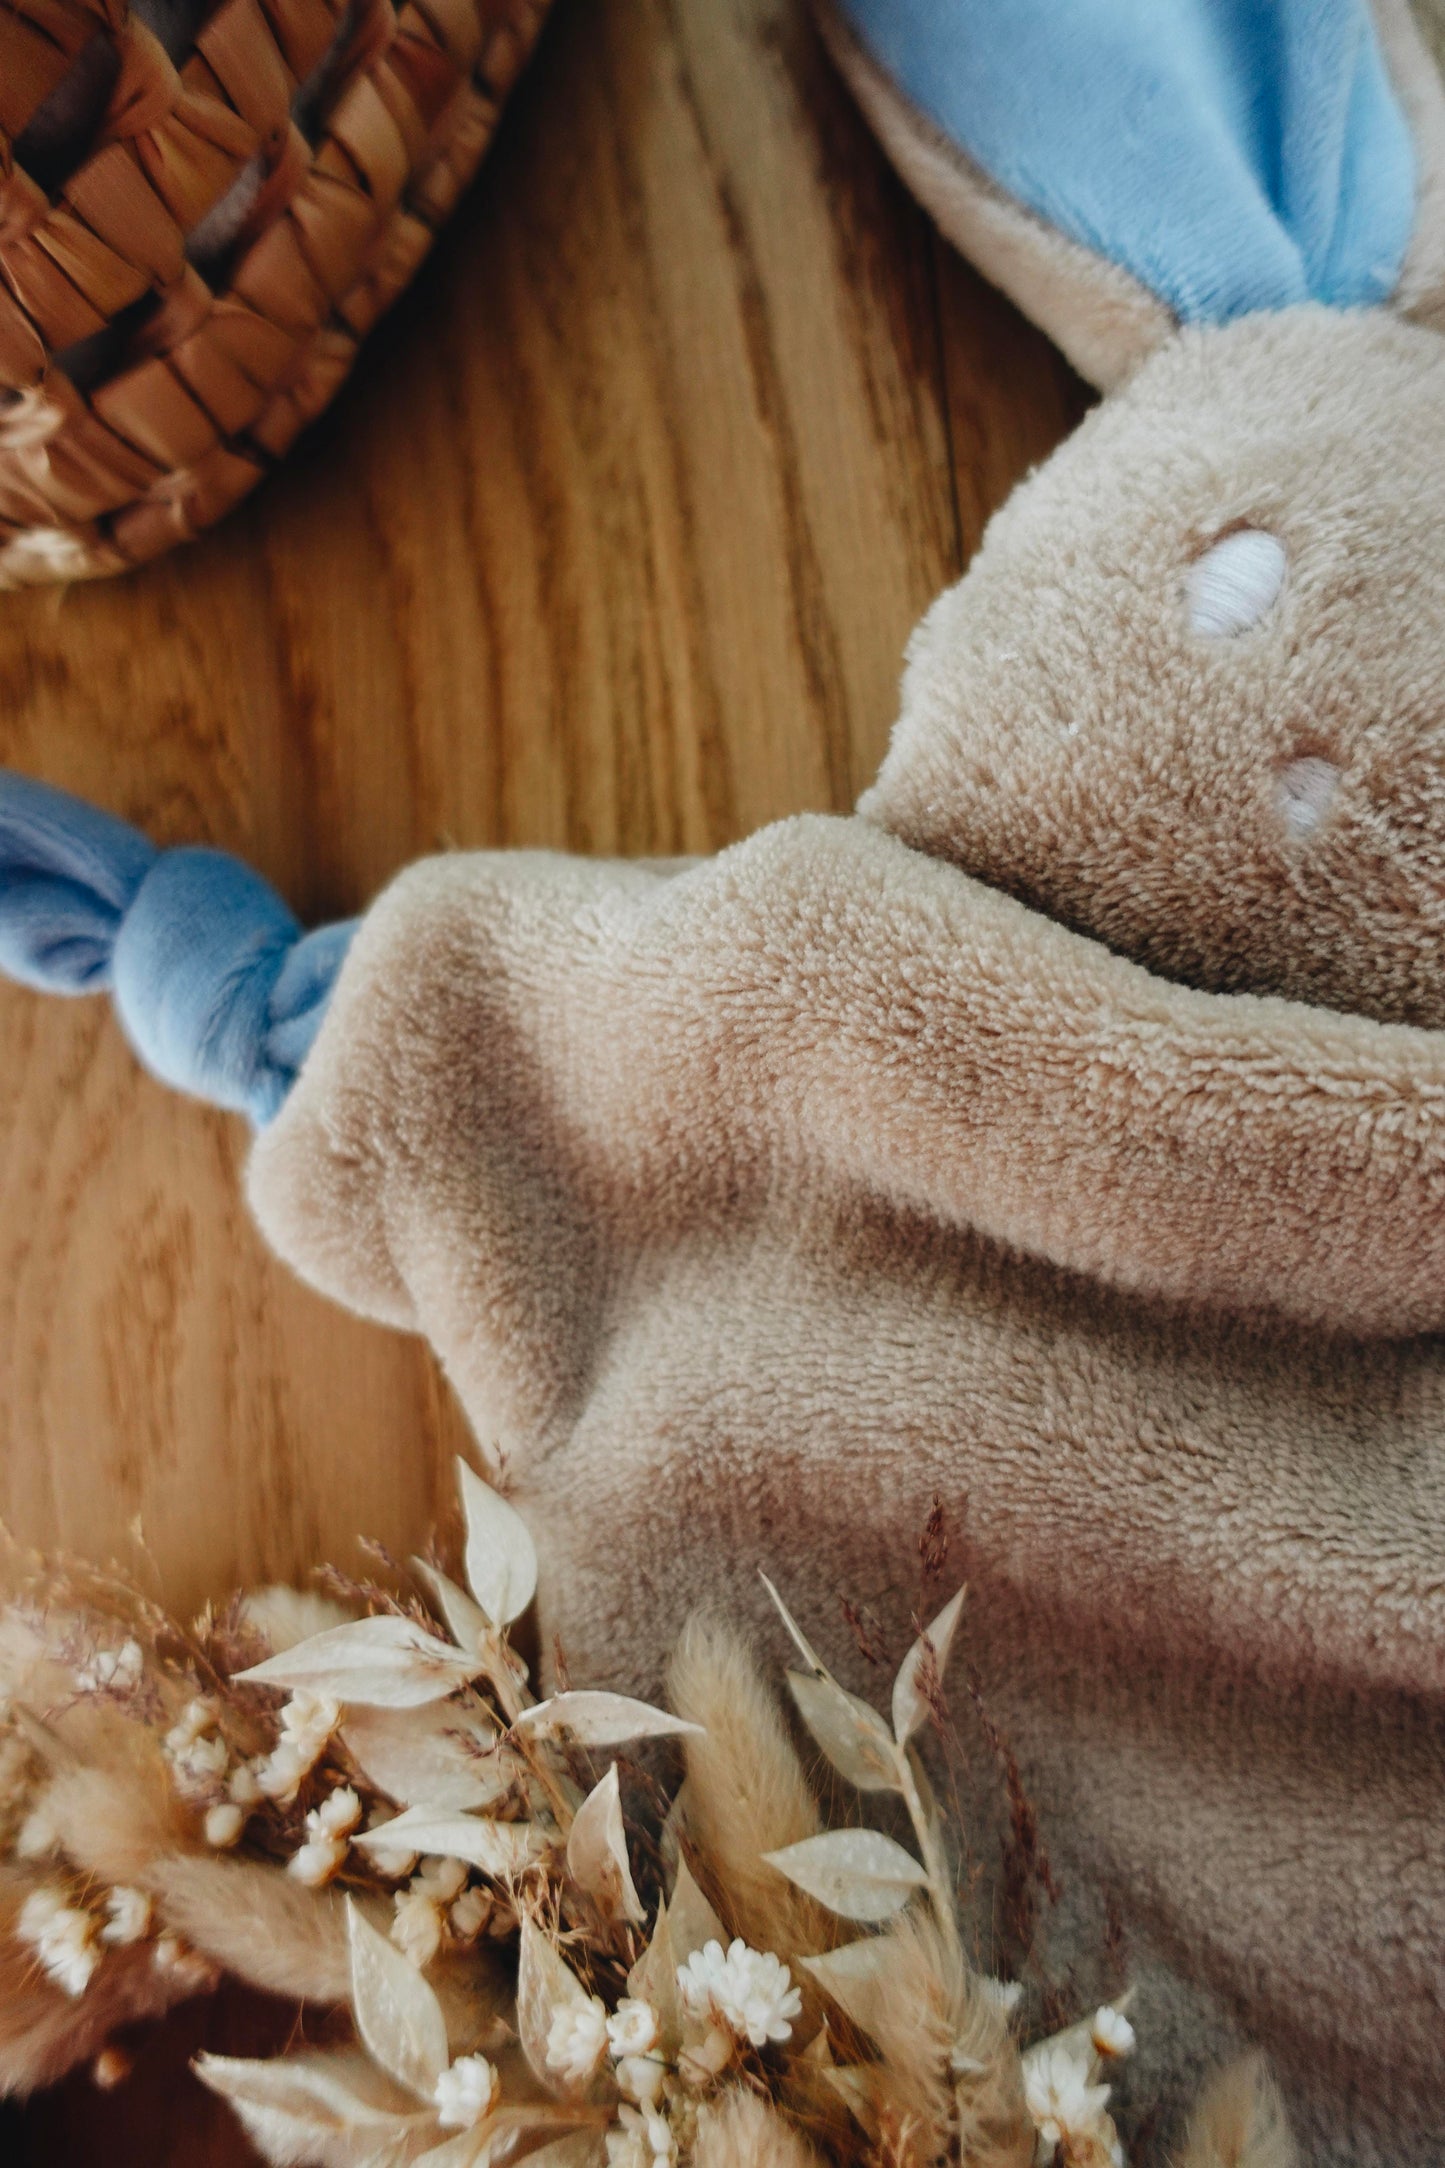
<point>600,1720</point>
<point>441,1756</point>
<point>858,1873</point>
<point>465,1621</point>
<point>461,2151</point>
<point>575,2149</point>
<point>854,2083</point>
<point>654,1979</point>
<point>801,1642</point>
<point>597,1853</point>
<point>925,1661</point>
<point>855,1976</point>
<point>545,1986</point>
<point>500,1849</point>
<point>397,2015</point>
<point>384,1663</point>
<point>501,1558</point>
<point>691,1919</point>
<point>854,1737</point>
<point>579,2149</point>
<point>330,2109</point>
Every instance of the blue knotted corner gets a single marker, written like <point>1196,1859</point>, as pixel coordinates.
<point>216,986</point>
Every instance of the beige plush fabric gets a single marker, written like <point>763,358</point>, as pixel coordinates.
<point>754,1205</point>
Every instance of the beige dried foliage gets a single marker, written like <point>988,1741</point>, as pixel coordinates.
<point>741,2131</point>
<point>114,1816</point>
<point>115,1820</point>
<point>1239,2122</point>
<point>947,2050</point>
<point>283,1616</point>
<point>746,1791</point>
<point>255,1923</point>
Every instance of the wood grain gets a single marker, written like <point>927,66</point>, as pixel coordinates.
<point>612,543</point>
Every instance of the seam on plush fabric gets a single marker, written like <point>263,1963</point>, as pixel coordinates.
<point>1096,312</point>
<point>1420,292</point>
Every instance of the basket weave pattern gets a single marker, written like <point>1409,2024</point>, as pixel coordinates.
<point>151,373</point>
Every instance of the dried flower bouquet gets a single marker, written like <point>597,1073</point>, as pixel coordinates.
<point>374,1814</point>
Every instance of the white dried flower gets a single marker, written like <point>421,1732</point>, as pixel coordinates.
<point>752,1991</point>
<point>39,1909</point>
<point>1111,2033</point>
<point>191,1972</point>
<point>128,1916</point>
<point>640,2078</point>
<point>38,1837</point>
<point>466,2092</point>
<point>640,2137</point>
<point>470,1914</point>
<point>223,1825</point>
<point>113,1671</point>
<point>278,1775</point>
<point>318,1860</point>
<point>62,1937</point>
<point>307,1722</point>
<point>338,1814</point>
<point>577,2040</point>
<point>441,1880</point>
<point>202,1765</point>
<point>195,1720</point>
<point>1005,1995</point>
<point>241,1786</point>
<point>1060,2099</point>
<point>392,1865</point>
<point>417,1928</point>
<point>632,2027</point>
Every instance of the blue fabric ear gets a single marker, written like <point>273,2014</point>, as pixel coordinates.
<point>1232,154</point>
<point>218,990</point>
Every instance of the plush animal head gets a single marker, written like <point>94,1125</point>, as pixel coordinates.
<point>1190,696</point>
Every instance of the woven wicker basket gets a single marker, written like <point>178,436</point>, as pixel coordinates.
<point>202,213</point>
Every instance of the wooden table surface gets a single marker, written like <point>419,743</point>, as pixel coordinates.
<point>612,543</point>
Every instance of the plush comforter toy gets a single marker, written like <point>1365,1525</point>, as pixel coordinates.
<point>1062,1136</point>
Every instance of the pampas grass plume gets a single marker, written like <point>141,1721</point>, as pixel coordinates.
<point>259,1925</point>
<point>44,2032</point>
<point>114,1816</point>
<point>1239,2122</point>
<point>928,2008</point>
<point>746,1791</point>
<point>741,2131</point>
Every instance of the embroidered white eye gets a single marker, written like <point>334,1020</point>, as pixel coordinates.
<point>1231,586</point>
<point>1305,792</point>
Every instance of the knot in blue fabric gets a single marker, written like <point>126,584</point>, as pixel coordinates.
<point>216,986</point>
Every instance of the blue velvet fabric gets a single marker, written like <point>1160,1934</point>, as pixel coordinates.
<point>217,988</point>
<point>1232,154</point>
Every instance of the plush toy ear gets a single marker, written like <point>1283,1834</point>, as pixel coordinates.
<point>1120,167</point>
